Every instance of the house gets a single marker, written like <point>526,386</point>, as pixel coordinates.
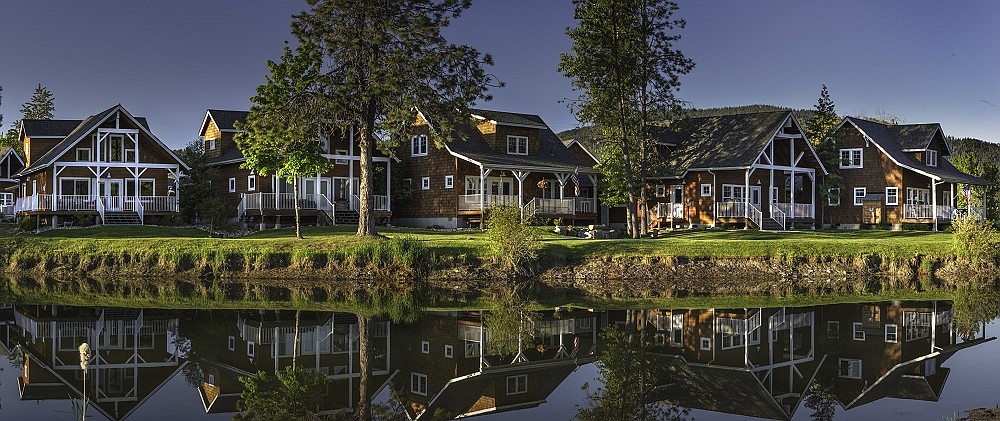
<point>895,175</point>
<point>263,341</point>
<point>109,166</point>
<point>267,200</point>
<point>497,158</point>
<point>132,355</point>
<point>446,367</point>
<point>11,163</point>
<point>754,170</point>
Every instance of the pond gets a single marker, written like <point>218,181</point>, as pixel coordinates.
<point>929,359</point>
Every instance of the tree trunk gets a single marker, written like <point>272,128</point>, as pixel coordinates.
<point>364,402</point>
<point>366,217</point>
<point>295,198</point>
<point>295,341</point>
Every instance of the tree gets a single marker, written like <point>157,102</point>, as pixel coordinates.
<point>39,107</point>
<point>198,198</point>
<point>381,61</point>
<point>282,131</point>
<point>975,163</point>
<point>627,69</point>
<point>292,393</point>
<point>819,130</point>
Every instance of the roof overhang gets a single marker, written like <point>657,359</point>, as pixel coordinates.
<point>529,126</point>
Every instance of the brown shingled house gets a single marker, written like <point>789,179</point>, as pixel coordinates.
<point>10,164</point>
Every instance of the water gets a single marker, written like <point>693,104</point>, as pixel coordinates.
<point>887,360</point>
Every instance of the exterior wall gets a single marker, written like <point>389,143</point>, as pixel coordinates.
<point>35,148</point>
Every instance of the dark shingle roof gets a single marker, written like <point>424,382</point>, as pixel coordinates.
<point>226,119</point>
<point>230,155</point>
<point>504,117</point>
<point>887,139</point>
<point>724,141</point>
<point>60,128</point>
<point>914,136</point>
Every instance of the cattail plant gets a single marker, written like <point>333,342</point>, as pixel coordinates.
<point>84,363</point>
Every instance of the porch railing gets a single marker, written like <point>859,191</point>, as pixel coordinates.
<point>913,211</point>
<point>471,202</point>
<point>553,206</point>
<point>324,205</point>
<point>381,202</point>
<point>586,205</point>
<point>730,209</point>
<point>756,216</point>
<point>797,210</point>
<point>670,210</point>
<point>84,203</point>
<point>778,215</point>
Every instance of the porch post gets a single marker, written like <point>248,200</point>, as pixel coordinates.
<point>746,198</point>
<point>934,212</point>
<point>350,168</point>
<point>55,186</point>
<point>812,198</point>
<point>388,186</point>
<point>791,197</point>
<point>520,175</point>
<point>952,204</point>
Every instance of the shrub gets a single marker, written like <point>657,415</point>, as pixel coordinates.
<point>510,243</point>
<point>976,240</point>
<point>28,223</point>
<point>916,227</point>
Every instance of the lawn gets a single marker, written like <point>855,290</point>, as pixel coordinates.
<point>449,243</point>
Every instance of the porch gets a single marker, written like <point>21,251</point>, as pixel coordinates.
<point>537,193</point>
<point>101,205</point>
<point>535,206</point>
<point>920,212</point>
<point>263,203</point>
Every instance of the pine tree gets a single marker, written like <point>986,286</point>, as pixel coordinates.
<point>824,121</point>
<point>819,130</point>
<point>39,107</point>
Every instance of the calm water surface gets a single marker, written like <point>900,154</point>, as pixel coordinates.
<point>889,360</point>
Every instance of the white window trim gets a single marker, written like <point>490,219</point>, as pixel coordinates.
<point>860,200</point>
<point>849,360</point>
<point>252,182</point>
<point>706,190</point>
<point>895,333</point>
<point>519,142</point>
<point>232,184</point>
<point>895,196</point>
<point>850,151</point>
<point>449,181</point>
<point>518,379</point>
<point>89,154</point>
<point>449,351</point>
<point>418,145</point>
<point>231,343</point>
<point>425,183</point>
<point>931,158</point>
<point>830,195</point>
<point>211,144</point>
<point>415,386</point>
<point>251,349</point>
<point>661,190</point>
<point>855,330</point>
<point>425,347</point>
<point>344,152</point>
<point>706,343</point>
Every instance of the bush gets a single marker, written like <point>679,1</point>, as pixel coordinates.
<point>83,220</point>
<point>28,223</point>
<point>916,227</point>
<point>509,242</point>
<point>976,240</point>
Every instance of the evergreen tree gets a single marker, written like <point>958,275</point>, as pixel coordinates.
<point>39,107</point>
<point>819,130</point>
<point>824,120</point>
<point>625,64</point>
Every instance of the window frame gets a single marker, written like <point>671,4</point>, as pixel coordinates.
<point>895,333</point>
<point>706,190</point>
<point>341,152</point>
<point>252,182</point>
<point>849,361</point>
<point>425,183</point>
<point>519,142</point>
<point>425,347</point>
<point>706,343</point>
<point>836,329</point>
<point>851,158</point>
<point>519,381</point>
<point>830,196</point>
<point>449,351</point>
<point>251,349</point>
<point>449,181</point>
<point>661,190</point>
<point>89,155</point>
<point>931,158</point>
<point>864,192</point>
<point>231,343</point>
<point>211,144</point>
<point>418,145</point>
<point>856,328</point>
<point>895,196</point>
<point>232,184</point>
<point>418,383</point>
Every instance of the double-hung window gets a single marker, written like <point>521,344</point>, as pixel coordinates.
<point>851,158</point>
<point>232,185</point>
<point>833,197</point>
<point>418,145</point>
<point>449,181</point>
<point>892,196</point>
<point>517,145</point>
<point>425,183</point>
<point>252,182</point>
<point>891,333</point>
<point>706,190</point>
<point>517,384</point>
<point>849,369</point>
<point>211,144</point>
<point>733,193</point>
<point>931,158</point>
<point>859,195</point>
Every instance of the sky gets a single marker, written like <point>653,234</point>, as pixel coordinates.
<point>925,61</point>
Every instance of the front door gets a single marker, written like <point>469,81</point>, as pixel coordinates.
<point>341,189</point>
<point>755,196</point>
<point>677,194</point>
<point>113,192</point>
<point>501,186</point>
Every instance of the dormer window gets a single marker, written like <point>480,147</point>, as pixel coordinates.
<point>211,144</point>
<point>418,145</point>
<point>517,145</point>
<point>931,158</point>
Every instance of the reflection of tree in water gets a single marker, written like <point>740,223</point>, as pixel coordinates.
<point>192,332</point>
<point>628,373</point>
<point>290,394</point>
<point>973,308</point>
<point>509,323</point>
<point>820,399</point>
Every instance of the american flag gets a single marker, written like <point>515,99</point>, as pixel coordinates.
<point>576,184</point>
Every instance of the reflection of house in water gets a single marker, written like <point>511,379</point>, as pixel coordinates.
<point>755,362</point>
<point>890,350</point>
<point>132,354</point>
<point>446,368</point>
<point>264,341</point>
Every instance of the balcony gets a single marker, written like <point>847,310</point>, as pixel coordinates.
<point>670,210</point>
<point>87,203</point>
<point>915,211</point>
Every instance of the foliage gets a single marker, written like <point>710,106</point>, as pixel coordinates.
<point>377,62</point>
<point>292,393</point>
<point>510,324</point>
<point>819,130</point>
<point>820,398</point>
<point>974,307</point>
<point>39,107</point>
<point>510,242</point>
<point>625,65</point>
<point>28,223</point>
<point>198,198</point>
<point>981,165</point>
<point>976,239</point>
<point>627,373</point>
<point>824,119</point>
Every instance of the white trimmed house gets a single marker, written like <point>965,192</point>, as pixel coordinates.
<point>10,164</point>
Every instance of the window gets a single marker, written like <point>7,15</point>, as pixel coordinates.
<point>915,196</point>
<point>859,333</point>
<point>418,383</point>
<point>892,196</point>
<point>74,186</point>
<point>859,195</point>
<point>211,144</point>
<point>677,329</point>
<point>251,349</point>
<point>931,160</point>
<point>425,183</point>
<point>849,369</point>
<point>774,195</point>
<point>83,154</point>
<point>252,182</point>
<point>232,185</point>
<point>930,367</point>
<point>833,329</point>
<point>833,197</point>
<point>341,152</point>
<point>661,191</point>
<point>706,189</point>
<point>231,343</point>
<point>425,347</point>
<point>449,351</point>
<point>916,325</point>
<point>449,181</point>
<point>851,158</point>
<point>733,332</point>
<point>418,145</point>
<point>891,333</point>
<point>407,182</point>
<point>517,145</point>
<point>733,193</point>
<point>517,384</point>
<point>147,187</point>
<point>471,185</point>
<point>706,344</point>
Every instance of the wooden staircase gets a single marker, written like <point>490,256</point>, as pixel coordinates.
<point>769,224</point>
<point>122,218</point>
<point>346,217</point>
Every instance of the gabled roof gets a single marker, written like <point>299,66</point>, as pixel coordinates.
<point>509,119</point>
<point>225,120</point>
<point>233,154</point>
<point>57,128</point>
<point>726,141</point>
<point>888,138</point>
<point>85,127</point>
<point>7,150</point>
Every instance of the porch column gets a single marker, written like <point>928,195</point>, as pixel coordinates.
<point>55,186</point>
<point>812,198</point>
<point>350,168</point>
<point>791,197</point>
<point>520,176</point>
<point>562,177</point>
<point>934,213</point>
<point>746,199</point>
<point>483,173</point>
<point>388,186</point>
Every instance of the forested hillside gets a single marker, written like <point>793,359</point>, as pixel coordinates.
<point>988,151</point>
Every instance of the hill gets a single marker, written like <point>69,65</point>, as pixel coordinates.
<point>988,150</point>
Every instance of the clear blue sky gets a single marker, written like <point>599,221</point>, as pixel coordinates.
<point>170,60</point>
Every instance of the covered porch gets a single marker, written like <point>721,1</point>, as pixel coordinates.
<point>548,193</point>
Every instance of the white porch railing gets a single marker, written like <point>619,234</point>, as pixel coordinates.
<point>797,210</point>
<point>670,210</point>
<point>471,202</point>
<point>730,209</point>
<point>778,215</point>
<point>553,206</point>
<point>324,205</point>
<point>586,205</point>
<point>381,202</point>
<point>83,203</point>
<point>756,216</point>
<point>355,202</point>
<point>139,209</point>
<point>159,203</point>
<point>927,212</point>
<point>286,201</point>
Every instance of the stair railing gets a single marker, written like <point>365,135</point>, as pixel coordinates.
<point>323,204</point>
<point>100,208</point>
<point>756,216</point>
<point>141,210</point>
<point>778,216</point>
